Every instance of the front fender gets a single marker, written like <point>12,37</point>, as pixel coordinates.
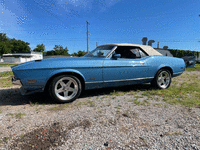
<point>55,72</point>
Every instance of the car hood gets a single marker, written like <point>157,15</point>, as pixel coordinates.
<point>66,62</point>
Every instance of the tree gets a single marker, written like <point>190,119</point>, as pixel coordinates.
<point>3,37</point>
<point>8,45</point>
<point>79,54</point>
<point>4,49</point>
<point>39,48</point>
<point>4,44</point>
<point>19,46</point>
<point>59,50</point>
<point>49,53</point>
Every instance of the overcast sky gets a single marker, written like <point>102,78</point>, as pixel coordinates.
<point>174,23</point>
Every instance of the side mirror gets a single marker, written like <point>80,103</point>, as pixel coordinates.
<point>116,56</point>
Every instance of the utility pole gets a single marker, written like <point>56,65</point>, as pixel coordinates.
<point>96,44</point>
<point>87,37</point>
<point>158,45</point>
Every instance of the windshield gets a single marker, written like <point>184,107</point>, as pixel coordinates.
<point>101,51</point>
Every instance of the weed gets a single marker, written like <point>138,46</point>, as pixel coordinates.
<point>5,139</point>
<point>99,111</point>
<point>172,133</point>
<point>6,74</point>
<point>6,82</point>
<point>88,102</point>
<point>118,107</point>
<point>58,108</point>
<point>17,115</point>
<point>132,93</point>
<point>33,104</point>
<point>109,104</point>
<point>186,92</point>
<point>196,68</point>
<point>6,65</point>
<point>117,93</point>
<point>145,102</point>
<point>135,101</point>
<point>38,109</point>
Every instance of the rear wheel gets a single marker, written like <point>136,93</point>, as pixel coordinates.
<point>65,88</point>
<point>162,79</point>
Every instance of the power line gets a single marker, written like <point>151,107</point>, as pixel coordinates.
<point>53,15</point>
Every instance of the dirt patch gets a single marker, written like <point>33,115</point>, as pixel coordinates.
<point>46,137</point>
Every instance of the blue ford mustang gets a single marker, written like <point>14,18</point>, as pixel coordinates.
<point>106,66</point>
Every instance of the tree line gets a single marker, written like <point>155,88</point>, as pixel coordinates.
<point>182,53</point>
<point>8,45</point>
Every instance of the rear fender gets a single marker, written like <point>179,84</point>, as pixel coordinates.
<point>164,66</point>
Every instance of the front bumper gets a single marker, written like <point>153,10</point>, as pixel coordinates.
<point>16,81</point>
<point>23,90</point>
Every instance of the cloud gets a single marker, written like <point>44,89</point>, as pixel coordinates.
<point>12,17</point>
<point>79,5</point>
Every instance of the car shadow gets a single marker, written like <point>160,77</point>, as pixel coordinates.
<point>13,97</point>
<point>107,91</point>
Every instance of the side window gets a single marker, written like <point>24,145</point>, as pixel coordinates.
<point>136,52</point>
<point>142,53</point>
<point>128,52</point>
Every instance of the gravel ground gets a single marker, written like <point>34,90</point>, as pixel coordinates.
<point>97,120</point>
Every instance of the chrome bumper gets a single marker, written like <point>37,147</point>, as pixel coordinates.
<point>16,81</point>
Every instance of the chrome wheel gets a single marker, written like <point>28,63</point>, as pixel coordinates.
<point>66,88</point>
<point>163,79</point>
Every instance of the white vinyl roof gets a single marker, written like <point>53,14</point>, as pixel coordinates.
<point>148,49</point>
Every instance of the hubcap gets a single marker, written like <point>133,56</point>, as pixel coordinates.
<point>66,88</point>
<point>163,79</point>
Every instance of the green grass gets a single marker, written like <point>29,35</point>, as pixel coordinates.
<point>6,82</point>
<point>145,102</point>
<point>118,107</point>
<point>196,68</point>
<point>88,102</point>
<point>17,115</point>
<point>59,107</point>
<point>33,104</point>
<point>6,74</point>
<point>184,91</point>
<point>117,93</point>
<point>6,65</point>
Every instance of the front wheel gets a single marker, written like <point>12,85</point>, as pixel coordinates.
<point>65,88</point>
<point>162,79</point>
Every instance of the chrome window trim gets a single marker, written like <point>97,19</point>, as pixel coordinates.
<point>177,73</point>
<point>114,48</point>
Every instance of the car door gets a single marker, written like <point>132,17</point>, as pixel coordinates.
<point>130,68</point>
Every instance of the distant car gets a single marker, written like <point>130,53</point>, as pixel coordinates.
<point>189,61</point>
<point>106,66</point>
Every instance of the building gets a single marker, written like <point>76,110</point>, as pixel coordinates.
<point>197,58</point>
<point>164,52</point>
<point>1,60</point>
<point>22,57</point>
